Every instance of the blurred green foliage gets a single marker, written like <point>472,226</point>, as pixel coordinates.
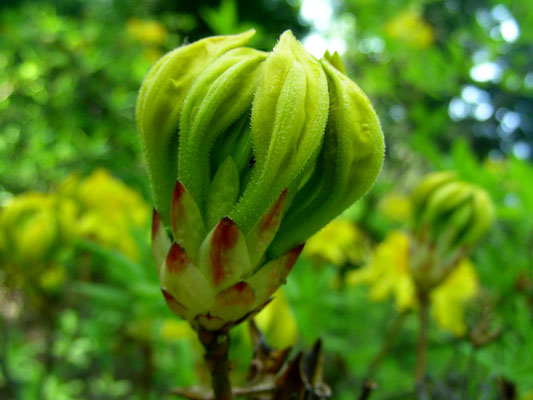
<point>69,75</point>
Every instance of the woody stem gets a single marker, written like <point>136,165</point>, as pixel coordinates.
<point>216,345</point>
<point>420,369</point>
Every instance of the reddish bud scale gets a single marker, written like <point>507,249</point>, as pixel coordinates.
<point>224,239</point>
<point>292,258</point>
<point>175,306</point>
<point>272,219</point>
<point>239,294</point>
<point>177,260</point>
<point>177,206</point>
<point>156,223</point>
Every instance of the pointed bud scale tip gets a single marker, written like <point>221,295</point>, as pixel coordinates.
<point>239,294</point>
<point>223,240</point>
<point>273,274</point>
<point>261,235</point>
<point>175,306</point>
<point>177,260</point>
<point>160,240</point>
<point>293,257</point>
<point>272,219</point>
<point>177,205</point>
<point>156,224</point>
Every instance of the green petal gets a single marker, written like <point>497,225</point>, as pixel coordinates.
<point>223,192</point>
<point>349,163</point>
<point>289,114</point>
<point>335,60</point>
<point>159,105</point>
<point>220,95</point>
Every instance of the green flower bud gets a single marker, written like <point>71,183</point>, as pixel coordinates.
<point>450,216</point>
<point>249,154</point>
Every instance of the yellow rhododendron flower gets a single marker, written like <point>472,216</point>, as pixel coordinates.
<point>340,242</point>
<point>34,227</point>
<point>277,322</point>
<point>388,272</point>
<point>109,210</point>
<point>388,275</point>
<point>396,207</point>
<point>448,299</point>
<point>33,224</point>
<point>410,27</point>
<point>147,32</point>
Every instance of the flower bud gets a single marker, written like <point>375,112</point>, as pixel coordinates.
<point>450,216</point>
<point>249,154</point>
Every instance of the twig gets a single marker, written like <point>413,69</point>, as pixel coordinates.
<point>216,346</point>
<point>368,387</point>
<point>391,334</point>
<point>11,385</point>
<point>49,337</point>
<point>147,370</point>
<point>420,370</point>
<point>196,393</point>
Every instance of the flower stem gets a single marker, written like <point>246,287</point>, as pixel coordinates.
<point>216,346</point>
<point>420,370</point>
<point>390,336</point>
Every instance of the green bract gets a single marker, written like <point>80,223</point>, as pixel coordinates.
<point>249,154</point>
<point>450,216</point>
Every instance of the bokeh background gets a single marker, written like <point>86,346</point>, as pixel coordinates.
<point>80,309</point>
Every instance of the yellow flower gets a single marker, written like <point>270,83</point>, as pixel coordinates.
<point>277,322</point>
<point>448,299</point>
<point>388,275</point>
<point>34,227</point>
<point>338,243</point>
<point>388,272</point>
<point>31,226</point>
<point>108,210</point>
<point>147,32</point>
<point>410,27</point>
<point>396,207</point>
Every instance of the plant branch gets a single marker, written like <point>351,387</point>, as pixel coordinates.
<point>391,334</point>
<point>421,352</point>
<point>367,389</point>
<point>196,393</point>
<point>10,384</point>
<point>216,346</point>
